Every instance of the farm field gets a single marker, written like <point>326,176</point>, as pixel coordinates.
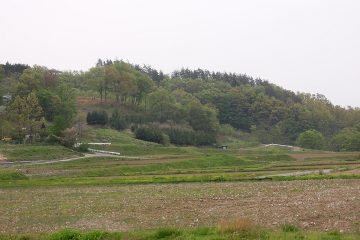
<point>151,186</point>
<point>311,205</point>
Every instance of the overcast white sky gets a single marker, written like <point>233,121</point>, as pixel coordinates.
<point>302,45</point>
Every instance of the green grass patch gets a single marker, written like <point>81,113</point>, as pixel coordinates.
<point>24,152</point>
<point>202,233</point>
<point>11,175</point>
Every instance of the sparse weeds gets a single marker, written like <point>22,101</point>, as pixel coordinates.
<point>289,228</point>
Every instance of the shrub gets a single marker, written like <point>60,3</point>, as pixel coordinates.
<point>67,234</point>
<point>84,147</point>
<point>99,235</point>
<point>151,135</point>
<point>236,226</point>
<point>166,233</point>
<point>311,139</point>
<point>117,121</point>
<point>289,228</point>
<point>94,118</point>
<point>69,137</point>
<point>189,137</point>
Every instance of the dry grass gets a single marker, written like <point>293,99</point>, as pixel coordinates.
<point>240,225</point>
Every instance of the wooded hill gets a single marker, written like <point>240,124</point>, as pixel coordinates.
<point>196,101</point>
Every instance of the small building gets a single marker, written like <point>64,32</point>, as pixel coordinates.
<point>223,147</point>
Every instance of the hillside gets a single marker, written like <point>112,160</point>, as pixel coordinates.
<point>206,106</point>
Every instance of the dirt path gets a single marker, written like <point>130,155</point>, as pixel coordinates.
<point>298,173</point>
<point>312,205</point>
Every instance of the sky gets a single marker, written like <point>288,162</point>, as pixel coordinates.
<point>302,45</point>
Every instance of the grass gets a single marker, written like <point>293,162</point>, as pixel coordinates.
<point>23,152</point>
<point>236,231</point>
<point>11,175</point>
<point>168,164</point>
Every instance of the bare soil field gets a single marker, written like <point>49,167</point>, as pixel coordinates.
<point>312,205</point>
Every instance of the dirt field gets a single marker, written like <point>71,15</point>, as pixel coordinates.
<point>314,205</point>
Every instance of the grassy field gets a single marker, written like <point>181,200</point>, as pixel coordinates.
<point>151,186</point>
<point>236,230</point>
<point>154,163</point>
<point>35,152</point>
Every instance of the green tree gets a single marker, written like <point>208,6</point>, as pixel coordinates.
<point>311,139</point>
<point>32,79</point>
<point>203,118</point>
<point>26,114</point>
<point>59,125</point>
<point>347,139</point>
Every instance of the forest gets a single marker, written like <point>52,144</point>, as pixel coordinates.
<point>186,107</point>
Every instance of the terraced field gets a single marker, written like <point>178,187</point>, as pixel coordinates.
<point>152,186</point>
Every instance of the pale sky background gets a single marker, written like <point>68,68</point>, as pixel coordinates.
<point>302,45</point>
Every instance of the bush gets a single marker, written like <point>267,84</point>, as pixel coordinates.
<point>84,147</point>
<point>151,135</point>
<point>289,228</point>
<point>166,233</point>
<point>66,234</point>
<point>99,235</point>
<point>117,121</point>
<point>69,137</point>
<point>189,137</point>
<point>311,139</point>
<point>97,118</point>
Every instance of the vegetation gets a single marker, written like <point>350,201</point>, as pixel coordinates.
<point>97,118</point>
<point>225,231</point>
<point>187,100</point>
<point>177,122</point>
<point>311,139</point>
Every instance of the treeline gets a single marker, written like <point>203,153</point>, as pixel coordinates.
<point>201,100</point>
<point>42,104</point>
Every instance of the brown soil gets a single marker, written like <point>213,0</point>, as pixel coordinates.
<point>2,158</point>
<point>312,205</point>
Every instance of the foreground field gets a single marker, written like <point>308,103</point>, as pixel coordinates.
<point>241,229</point>
<point>48,188</point>
<point>312,205</point>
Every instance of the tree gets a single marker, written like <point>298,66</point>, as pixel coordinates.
<point>96,78</point>
<point>347,139</point>
<point>163,105</point>
<point>311,139</point>
<point>203,118</point>
<point>31,80</point>
<point>26,114</point>
<point>59,125</point>
<point>50,103</point>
